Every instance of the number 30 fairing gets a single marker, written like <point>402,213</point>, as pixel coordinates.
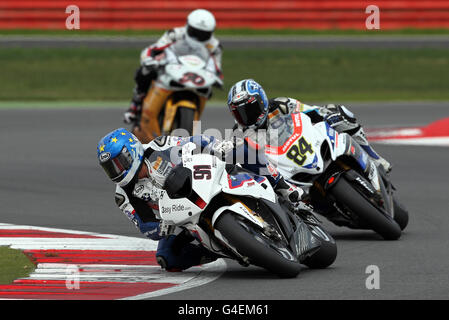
<point>176,78</point>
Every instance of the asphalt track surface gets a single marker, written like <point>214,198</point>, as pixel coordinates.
<point>50,177</point>
<point>322,42</point>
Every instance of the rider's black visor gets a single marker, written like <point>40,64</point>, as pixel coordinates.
<point>248,113</point>
<point>198,34</point>
<point>116,167</point>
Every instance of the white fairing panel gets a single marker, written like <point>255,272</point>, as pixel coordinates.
<point>177,211</point>
<point>244,184</point>
<point>192,61</point>
<point>302,153</point>
<point>190,71</point>
<point>209,178</point>
<point>240,209</point>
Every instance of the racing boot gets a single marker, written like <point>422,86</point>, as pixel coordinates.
<point>360,138</point>
<point>176,253</point>
<point>289,191</point>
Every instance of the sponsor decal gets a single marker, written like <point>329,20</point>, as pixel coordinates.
<point>276,150</point>
<point>138,189</point>
<point>297,119</point>
<point>157,163</point>
<point>364,184</point>
<point>146,196</point>
<point>290,141</point>
<point>130,214</point>
<point>174,208</point>
<point>105,156</point>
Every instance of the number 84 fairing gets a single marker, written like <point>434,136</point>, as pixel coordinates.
<point>236,214</point>
<point>344,184</point>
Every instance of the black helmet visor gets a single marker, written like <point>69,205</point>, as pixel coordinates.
<point>248,113</point>
<point>116,167</point>
<point>198,34</point>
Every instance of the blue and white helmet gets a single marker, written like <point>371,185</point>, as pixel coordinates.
<point>248,103</point>
<point>120,154</point>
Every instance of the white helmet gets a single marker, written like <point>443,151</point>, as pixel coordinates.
<point>200,26</point>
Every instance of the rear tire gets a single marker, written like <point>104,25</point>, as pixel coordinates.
<point>376,220</point>
<point>242,236</point>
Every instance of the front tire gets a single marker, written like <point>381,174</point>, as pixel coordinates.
<point>185,117</point>
<point>251,243</point>
<point>400,214</point>
<point>326,254</point>
<point>346,194</point>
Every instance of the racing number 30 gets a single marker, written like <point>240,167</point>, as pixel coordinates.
<point>192,77</point>
<point>297,152</point>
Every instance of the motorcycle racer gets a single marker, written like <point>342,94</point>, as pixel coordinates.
<point>251,109</point>
<point>140,170</point>
<point>195,37</point>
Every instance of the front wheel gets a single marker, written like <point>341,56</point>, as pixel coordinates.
<point>400,214</point>
<point>185,117</point>
<point>384,225</point>
<point>258,248</point>
<point>326,254</point>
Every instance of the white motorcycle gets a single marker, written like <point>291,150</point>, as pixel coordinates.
<point>343,182</point>
<point>184,84</point>
<point>235,214</point>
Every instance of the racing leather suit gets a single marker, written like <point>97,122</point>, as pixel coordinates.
<point>165,49</point>
<point>138,201</point>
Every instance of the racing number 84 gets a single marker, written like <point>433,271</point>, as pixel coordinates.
<point>298,152</point>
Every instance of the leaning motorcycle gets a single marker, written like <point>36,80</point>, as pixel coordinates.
<point>236,214</point>
<point>178,95</point>
<point>343,182</point>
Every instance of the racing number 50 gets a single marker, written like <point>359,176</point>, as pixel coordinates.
<point>298,152</point>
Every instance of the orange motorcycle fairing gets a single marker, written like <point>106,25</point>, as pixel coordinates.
<point>157,99</point>
<point>151,108</point>
<point>170,112</point>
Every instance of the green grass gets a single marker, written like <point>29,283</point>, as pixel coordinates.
<point>13,265</point>
<point>77,74</point>
<point>229,32</point>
